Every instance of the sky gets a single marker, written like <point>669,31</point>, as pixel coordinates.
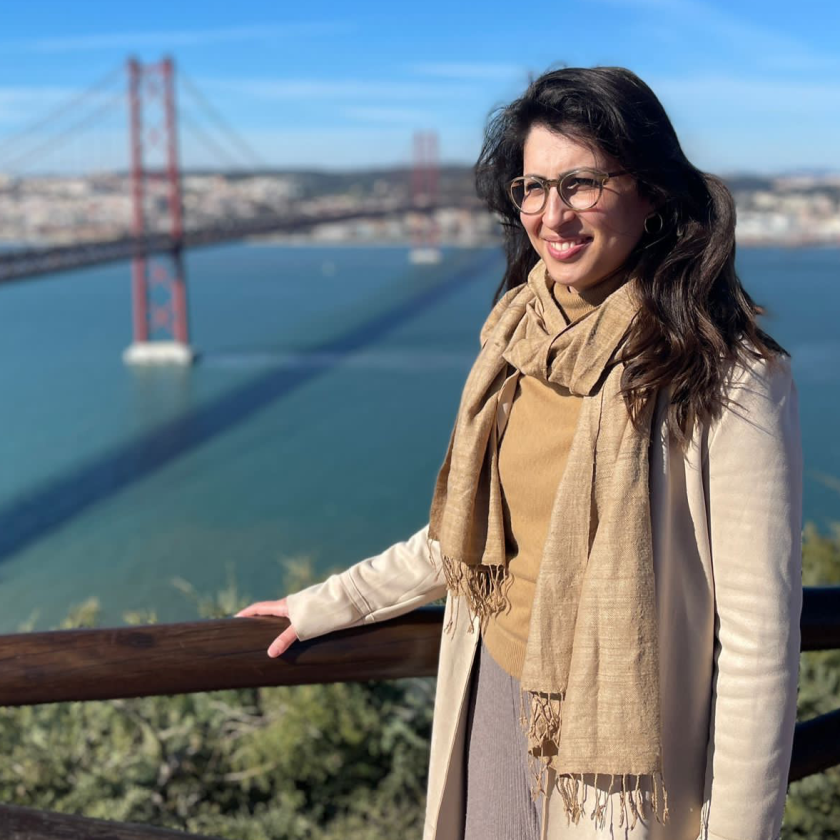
<point>752,86</point>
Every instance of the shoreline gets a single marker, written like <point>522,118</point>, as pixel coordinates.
<point>10,246</point>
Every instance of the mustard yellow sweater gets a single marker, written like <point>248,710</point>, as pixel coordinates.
<point>532,456</point>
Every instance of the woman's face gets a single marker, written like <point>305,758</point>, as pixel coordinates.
<point>602,237</point>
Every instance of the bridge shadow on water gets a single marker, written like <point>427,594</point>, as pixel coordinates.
<point>46,508</point>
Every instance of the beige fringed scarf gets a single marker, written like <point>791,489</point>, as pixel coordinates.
<point>590,681</point>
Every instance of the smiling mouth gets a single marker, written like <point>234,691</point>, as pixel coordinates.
<point>567,247</point>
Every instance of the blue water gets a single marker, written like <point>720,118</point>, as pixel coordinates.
<point>313,425</point>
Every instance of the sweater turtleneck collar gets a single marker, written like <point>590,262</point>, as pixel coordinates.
<point>574,305</point>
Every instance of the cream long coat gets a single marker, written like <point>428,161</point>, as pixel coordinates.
<point>726,521</point>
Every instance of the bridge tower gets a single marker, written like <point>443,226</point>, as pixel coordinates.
<point>424,197</point>
<point>159,294</point>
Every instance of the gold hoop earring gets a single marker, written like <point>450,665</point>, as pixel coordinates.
<point>661,224</point>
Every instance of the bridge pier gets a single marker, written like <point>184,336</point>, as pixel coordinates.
<point>161,327</point>
<point>425,248</point>
<point>159,353</point>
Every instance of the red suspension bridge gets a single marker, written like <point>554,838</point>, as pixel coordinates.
<point>140,211</point>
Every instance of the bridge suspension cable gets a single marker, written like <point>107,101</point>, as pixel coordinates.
<point>36,153</point>
<point>71,105</point>
<point>26,148</point>
<point>236,140</point>
<point>207,141</point>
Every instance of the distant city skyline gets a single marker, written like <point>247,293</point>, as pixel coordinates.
<point>751,87</point>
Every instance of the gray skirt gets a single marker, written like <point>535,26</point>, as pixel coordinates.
<point>498,794</point>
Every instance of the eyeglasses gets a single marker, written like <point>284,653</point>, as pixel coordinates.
<point>579,189</point>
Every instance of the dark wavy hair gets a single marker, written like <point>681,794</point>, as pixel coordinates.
<point>695,316</point>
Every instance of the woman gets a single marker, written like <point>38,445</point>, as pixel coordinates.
<point>617,520</point>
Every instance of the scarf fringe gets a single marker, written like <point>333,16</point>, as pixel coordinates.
<point>542,728</point>
<point>484,588</point>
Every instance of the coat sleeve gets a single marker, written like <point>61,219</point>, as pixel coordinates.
<point>755,521</point>
<point>400,579</point>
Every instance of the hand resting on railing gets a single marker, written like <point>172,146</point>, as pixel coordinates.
<point>389,584</point>
<point>284,641</point>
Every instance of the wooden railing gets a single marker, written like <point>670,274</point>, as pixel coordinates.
<point>30,824</point>
<point>162,659</point>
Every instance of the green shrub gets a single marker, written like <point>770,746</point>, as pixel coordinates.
<point>813,804</point>
<point>316,761</point>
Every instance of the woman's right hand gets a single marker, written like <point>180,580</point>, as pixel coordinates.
<point>282,643</point>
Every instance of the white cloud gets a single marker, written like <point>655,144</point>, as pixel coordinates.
<point>18,104</point>
<point>356,146</point>
<point>768,99</point>
<point>470,71</point>
<point>389,115</point>
<point>728,123</point>
<point>278,89</point>
<point>753,41</point>
<point>171,39</point>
